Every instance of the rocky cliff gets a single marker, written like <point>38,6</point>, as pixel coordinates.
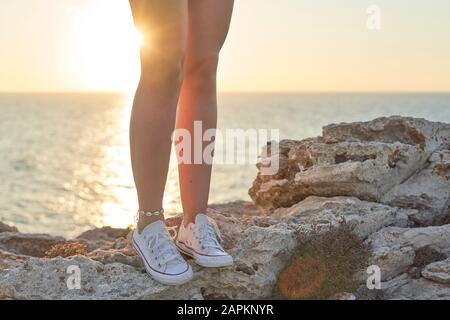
<point>386,180</point>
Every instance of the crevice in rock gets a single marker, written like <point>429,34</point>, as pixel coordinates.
<point>345,157</point>
<point>363,293</point>
<point>442,168</point>
<point>436,222</point>
<point>416,172</point>
<point>426,255</point>
<point>395,157</point>
<point>244,268</point>
<point>212,295</point>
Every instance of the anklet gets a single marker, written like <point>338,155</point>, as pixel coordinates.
<point>149,213</point>
<point>152,213</point>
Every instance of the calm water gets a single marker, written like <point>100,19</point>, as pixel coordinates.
<point>64,159</point>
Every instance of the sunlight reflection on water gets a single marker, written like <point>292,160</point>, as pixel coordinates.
<point>65,164</point>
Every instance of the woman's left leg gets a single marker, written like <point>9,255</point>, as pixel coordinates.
<point>208,24</point>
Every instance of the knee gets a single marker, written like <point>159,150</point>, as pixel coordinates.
<point>202,69</point>
<point>162,69</point>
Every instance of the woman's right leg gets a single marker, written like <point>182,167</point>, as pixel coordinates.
<point>163,24</point>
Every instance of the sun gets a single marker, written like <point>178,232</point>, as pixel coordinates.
<point>105,46</point>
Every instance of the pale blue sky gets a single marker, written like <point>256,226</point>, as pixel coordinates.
<point>278,45</point>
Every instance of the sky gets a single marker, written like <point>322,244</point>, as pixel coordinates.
<point>273,46</point>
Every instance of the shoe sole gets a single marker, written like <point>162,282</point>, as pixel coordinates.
<point>183,249</point>
<point>158,277</point>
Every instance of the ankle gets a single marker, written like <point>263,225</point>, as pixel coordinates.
<point>186,221</point>
<point>190,218</point>
<point>144,220</point>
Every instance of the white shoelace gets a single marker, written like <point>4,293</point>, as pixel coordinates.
<point>207,234</point>
<point>160,244</point>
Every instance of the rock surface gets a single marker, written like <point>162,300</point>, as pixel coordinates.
<point>428,135</point>
<point>312,167</point>
<point>387,178</point>
<point>117,275</point>
<point>27,244</point>
<point>5,228</point>
<point>428,191</point>
<point>406,288</point>
<point>365,217</point>
<point>438,271</point>
<point>10,260</point>
<point>395,249</point>
<point>365,160</point>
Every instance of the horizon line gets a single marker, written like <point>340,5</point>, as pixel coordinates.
<point>233,92</point>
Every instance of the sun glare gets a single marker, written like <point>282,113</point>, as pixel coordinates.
<point>137,37</point>
<point>106,45</point>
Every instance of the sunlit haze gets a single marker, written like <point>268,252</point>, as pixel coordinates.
<point>284,45</point>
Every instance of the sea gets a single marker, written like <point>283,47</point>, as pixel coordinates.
<point>65,163</point>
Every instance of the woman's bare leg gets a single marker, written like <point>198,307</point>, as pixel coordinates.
<point>164,27</point>
<point>208,25</point>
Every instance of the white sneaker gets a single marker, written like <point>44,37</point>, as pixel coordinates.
<point>199,241</point>
<point>160,256</point>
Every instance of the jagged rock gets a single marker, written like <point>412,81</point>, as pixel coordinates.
<point>428,191</point>
<point>428,135</point>
<point>127,257</point>
<point>252,240</point>
<point>48,279</point>
<point>104,234</point>
<point>10,260</point>
<point>243,207</point>
<point>92,245</point>
<point>366,171</point>
<point>438,272</point>
<point>394,249</point>
<point>28,244</point>
<point>104,238</point>
<point>119,275</point>
<point>364,160</point>
<point>365,217</point>
<point>5,228</point>
<point>405,288</point>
